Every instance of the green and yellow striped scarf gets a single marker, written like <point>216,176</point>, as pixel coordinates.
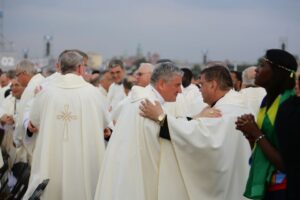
<point>261,169</point>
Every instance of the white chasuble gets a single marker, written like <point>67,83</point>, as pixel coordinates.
<point>131,163</point>
<point>115,94</point>
<point>69,148</point>
<point>211,154</point>
<point>27,96</point>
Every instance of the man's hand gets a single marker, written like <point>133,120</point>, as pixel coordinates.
<point>6,119</point>
<point>208,112</point>
<point>150,110</point>
<point>32,128</point>
<point>107,133</point>
<point>246,123</point>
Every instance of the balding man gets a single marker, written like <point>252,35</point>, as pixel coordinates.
<point>116,91</point>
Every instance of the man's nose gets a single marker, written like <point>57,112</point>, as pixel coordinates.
<point>179,90</point>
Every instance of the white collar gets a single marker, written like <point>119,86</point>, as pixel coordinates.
<point>158,95</point>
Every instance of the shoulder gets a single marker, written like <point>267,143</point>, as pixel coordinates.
<point>290,107</point>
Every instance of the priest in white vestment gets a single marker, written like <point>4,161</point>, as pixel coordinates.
<point>210,154</point>
<point>142,76</point>
<point>105,81</point>
<point>252,93</point>
<point>8,115</point>
<point>27,76</point>
<point>5,81</point>
<point>70,118</point>
<point>116,92</point>
<point>131,164</point>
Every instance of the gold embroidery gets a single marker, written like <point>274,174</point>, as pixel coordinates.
<point>66,116</point>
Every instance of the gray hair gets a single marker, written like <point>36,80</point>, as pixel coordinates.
<point>220,74</point>
<point>69,61</point>
<point>26,66</point>
<point>84,55</point>
<point>248,76</point>
<point>115,63</point>
<point>165,71</point>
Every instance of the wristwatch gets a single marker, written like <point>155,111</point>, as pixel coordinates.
<point>161,119</point>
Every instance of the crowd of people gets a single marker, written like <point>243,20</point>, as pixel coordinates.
<point>155,134</point>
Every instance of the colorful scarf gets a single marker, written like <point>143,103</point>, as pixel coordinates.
<point>261,169</point>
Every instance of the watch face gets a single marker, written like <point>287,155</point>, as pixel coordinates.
<point>161,117</point>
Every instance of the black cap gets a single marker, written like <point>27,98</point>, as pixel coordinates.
<point>282,59</point>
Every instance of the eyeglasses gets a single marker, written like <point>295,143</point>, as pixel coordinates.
<point>141,74</point>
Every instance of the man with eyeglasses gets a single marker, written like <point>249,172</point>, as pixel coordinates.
<point>143,74</point>
<point>8,113</point>
<point>28,77</point>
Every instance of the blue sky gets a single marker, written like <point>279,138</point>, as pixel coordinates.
<point>236,30</point>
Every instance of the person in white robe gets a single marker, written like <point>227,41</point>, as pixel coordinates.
<point>131,163</point>
<point>30,138</point>
<point>70,119</point>
<point>5,81</point>
<point>8,115</point>
<point>105,81</point>
<point>191,95</point>
<point>27,76</point>
<point>211,157</point>
<point>116,91</point>
<point>142,76</point>
<point>252,93</point>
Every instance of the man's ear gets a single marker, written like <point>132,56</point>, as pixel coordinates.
<point>80,70</point>
<point>214,84</point>
<point>57,67</point>
<point>159,86</point>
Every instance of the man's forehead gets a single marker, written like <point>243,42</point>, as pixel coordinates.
<point>176,78</point>
<point>116,68</point>
<point>15,82</point>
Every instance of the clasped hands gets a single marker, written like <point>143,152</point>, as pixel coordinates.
<point>246,124</point>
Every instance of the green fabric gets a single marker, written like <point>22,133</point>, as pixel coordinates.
<point>261,169</point>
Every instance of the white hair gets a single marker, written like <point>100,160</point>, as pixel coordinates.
<point>248,75</point>
<point>149,66</point>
